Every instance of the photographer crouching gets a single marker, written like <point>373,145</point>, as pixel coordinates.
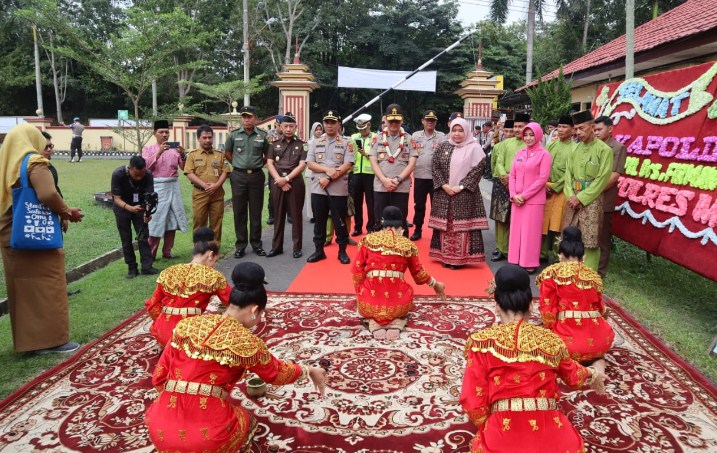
<point>134,196</point>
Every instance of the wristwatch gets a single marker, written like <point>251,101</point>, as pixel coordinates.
<point>461,187</point>
<point>400,180</point>
<point>287,178</point>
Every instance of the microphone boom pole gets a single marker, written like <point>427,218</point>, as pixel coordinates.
<point>392,87</point>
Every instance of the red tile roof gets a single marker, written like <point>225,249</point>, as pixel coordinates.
<point>690,18</point>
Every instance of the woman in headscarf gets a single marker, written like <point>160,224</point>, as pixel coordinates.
<point>571,302</point>
<point>317,130</point>
<point>457,211</point>
<point>510,387</point>
<point>528,175</point>
<point>36,283</point>
<point>383,296</point>
<point>185,290</point>
<point>207,356</point>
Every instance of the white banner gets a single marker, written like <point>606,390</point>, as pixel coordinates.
<point>376,78</point>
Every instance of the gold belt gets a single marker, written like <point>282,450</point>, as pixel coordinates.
<point>195,388</point>
<point>524,404</point>
<point>389,274</point>
<point>574,314</point>
<point>579,185</point>
<point>181,311</point>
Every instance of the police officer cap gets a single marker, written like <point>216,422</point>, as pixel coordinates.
<point>566,119</point>
<point>288,117</point>
<point>455,115</point>
<point>394,113</point>
<point>362,121</point>
<point>522,118</point>
<point>430,115</point>
<point>582,117</point>
<point>332,115</point>
<point>248,110</point>
<point>161,124</point>
<point>248,273</point>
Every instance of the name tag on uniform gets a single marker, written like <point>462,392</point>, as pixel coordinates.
<point>199,161</point>
<point>135,198</point>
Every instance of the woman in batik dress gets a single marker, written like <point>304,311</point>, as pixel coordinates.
<point>510,387</point>
<point>457,211</point>
<point>382,294</point>
<point>206,357</point>
<point>571,302</point>
<point>185,290</point>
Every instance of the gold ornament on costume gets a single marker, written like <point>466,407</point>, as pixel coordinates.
<point>572,272</point>
<point>186,279</point>
<point>387,242</point>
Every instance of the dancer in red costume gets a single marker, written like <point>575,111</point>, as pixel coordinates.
<point>383,296</point>
<point>571,302</point>
<point>207,355</point>
<point>185,290</point>
<point>510,387</point>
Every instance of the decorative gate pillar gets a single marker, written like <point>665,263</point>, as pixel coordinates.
<point>295,84</point>
<point>480,93</point>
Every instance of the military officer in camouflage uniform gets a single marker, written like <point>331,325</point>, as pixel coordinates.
<point>330,158</point>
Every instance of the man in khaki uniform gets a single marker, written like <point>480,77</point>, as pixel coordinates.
<point>286,161</point>
<point>330,158</point>
<point>425,142</point>
<point>207,169</point>
<point>603,131</point>
<point>393,160</point>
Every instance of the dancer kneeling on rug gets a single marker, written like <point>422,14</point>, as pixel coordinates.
<point>185,290</point>
<point>208,354</point>
<point>510,387</point>
<point>383,296</point>
<point>571,302</point>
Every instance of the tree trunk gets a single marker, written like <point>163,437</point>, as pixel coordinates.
<point>586,25</point>
<point>56,85</point>
<point>38,84</point>
<point>531,35</point>
<point>136,125</point>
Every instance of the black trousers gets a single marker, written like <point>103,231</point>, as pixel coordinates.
<point>422,189</point>
<point>383,199</point>
<point>362,186</point>
<point>291,203</point>
<point>247,203</point>
<point>323,206</point>
<point>76,145</point>
<point>125,220</point>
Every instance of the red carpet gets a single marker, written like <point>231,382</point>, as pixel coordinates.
<point>381,397</point>
<point>331,277</point>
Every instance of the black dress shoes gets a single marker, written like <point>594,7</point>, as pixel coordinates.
<point>149,271</point>
<point>356,233</point>
<point>498,257</point>
<point>239,254</point>
<point>316,256</point>
<point>274,253</point>
<point>260,251</point>
<point>298,254</point>
<point>416,235</point>
<point>343,257</point>
<point>132,273</point>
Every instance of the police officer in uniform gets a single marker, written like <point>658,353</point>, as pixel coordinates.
<point>286,161</point>
<point>363,176</point>
<point>330,158</point>
<point>246,149</point>
<point>393,160</point>
<point>425,142</point>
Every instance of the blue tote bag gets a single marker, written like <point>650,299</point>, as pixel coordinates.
<point>34,225</point>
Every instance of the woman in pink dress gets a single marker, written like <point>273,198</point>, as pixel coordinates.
<point>528,175</point>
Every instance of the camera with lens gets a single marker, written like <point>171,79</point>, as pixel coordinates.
<point>149,201</point>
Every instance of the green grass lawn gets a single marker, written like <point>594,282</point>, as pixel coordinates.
<point>677,305</point>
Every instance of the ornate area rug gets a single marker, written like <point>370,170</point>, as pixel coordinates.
<point>381,397</point>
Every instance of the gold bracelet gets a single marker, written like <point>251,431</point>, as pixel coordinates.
<point>432,282</point>
<point>593,375</point>
<point>304,372</point>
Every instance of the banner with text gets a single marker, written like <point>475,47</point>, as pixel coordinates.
<point>383,79</point>
<point>667,203</point>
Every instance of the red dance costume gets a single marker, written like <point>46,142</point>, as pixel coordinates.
<point>510,390</point>
<point>183,290</point>
<point>208,354</point>
<point>381,292</point>
<point>571,305</point>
